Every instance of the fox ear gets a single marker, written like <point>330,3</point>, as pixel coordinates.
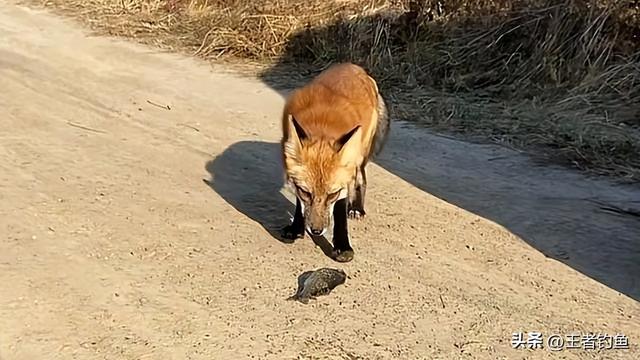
<point>345,138</point>
<point>349,145</point>
<point>299,131</point>
<point>295,136</point>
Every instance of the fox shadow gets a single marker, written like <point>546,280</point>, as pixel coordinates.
<point>248,175</point>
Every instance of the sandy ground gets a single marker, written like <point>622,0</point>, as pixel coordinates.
<point>113,246</point>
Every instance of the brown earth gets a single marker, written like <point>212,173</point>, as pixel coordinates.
<point>115,248</point>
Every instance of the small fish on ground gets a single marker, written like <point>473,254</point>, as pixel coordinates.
<point>317,282</point>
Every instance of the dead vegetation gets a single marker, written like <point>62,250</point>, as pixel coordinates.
<point>558,76</point>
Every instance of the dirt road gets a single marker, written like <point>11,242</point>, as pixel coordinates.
<point>113,246</point>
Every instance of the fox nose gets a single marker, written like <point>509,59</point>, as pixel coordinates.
<point>315,231</point>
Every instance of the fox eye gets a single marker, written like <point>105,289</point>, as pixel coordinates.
<point>303,193</point>
<point>333,196</point>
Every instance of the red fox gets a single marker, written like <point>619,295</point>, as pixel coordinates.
<point>331,128</point>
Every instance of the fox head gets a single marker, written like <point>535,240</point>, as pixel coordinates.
<point>320,171</point>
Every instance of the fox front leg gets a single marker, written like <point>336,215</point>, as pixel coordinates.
<point>295,230</point>
<point>342,250</point>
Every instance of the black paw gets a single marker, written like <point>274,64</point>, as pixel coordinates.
<point>291,232</point>
<point>342,255</point>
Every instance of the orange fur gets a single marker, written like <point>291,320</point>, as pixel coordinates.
<point>335,102</point>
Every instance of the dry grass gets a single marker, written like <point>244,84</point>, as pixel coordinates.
<point>558,76</point>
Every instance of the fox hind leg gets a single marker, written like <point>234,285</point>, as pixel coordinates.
<point>357,193</point>
<point>356,200</point>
